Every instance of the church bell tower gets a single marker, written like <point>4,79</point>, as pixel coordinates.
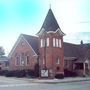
<point>51,56</point>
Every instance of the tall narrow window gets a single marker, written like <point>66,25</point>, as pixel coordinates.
<point>60,45</point>
<point>43,61</point>
<point>58,61</point>
<point>27,60</point>
<point>54,42</point>
<point>18,60</point>
<point>41,43</point>
<point>47,42</point>
<point>22,59</point>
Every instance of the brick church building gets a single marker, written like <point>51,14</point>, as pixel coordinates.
<point>49,51</point>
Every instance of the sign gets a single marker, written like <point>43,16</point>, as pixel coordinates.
<point>44,73</point>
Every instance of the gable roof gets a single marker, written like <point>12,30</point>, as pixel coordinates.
<point>81,51</point>
<point>50,23</point>
<point>71,50</point>
<point>33,41</point>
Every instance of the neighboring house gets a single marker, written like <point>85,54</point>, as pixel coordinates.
<point>77,58</point>
<point>4,63</point>
<point>49,51</point>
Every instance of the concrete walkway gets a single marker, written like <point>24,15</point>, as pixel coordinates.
<point>53,81</point>
<point>65,80</point>
<point>50,81</point>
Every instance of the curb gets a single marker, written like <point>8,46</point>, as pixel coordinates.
<point>56,82</point>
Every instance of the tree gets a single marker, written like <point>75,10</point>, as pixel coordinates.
<point>2,52</point>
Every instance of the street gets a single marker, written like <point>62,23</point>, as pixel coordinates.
<point>22,84</point>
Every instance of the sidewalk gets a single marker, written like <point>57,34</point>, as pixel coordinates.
<point>65,80</point>
<point>49,81</point>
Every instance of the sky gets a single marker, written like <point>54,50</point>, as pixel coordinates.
<point>27,16</point>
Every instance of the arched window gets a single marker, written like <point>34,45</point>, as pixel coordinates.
<point>17,60</point>
<point>27,60</point>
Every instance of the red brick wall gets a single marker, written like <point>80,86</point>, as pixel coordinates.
<point>52,53</point>
<point>23,47</point>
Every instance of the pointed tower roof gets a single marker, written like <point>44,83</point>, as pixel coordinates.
<point>50,23</point>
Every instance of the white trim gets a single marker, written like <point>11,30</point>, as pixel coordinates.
<point>58,30</point>
<point>30,46</point>
<point>41,31</point>
<point>17,42</point>
<point>15,45</point>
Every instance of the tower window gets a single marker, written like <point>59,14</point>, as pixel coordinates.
<point>56,42</point>
<point>41,43</point>
<point>58,61</point>
<point>60,45</point>
<point>53,42</point>
<point>47,42</point>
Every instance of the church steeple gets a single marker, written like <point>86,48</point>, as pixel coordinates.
<point>51,55</point>
<point>50,23</point>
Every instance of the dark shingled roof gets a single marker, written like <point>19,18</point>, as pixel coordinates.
<point>33,41</point>
<point>80,51</point>
<point>71,50</point>
<point>50,23</point>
